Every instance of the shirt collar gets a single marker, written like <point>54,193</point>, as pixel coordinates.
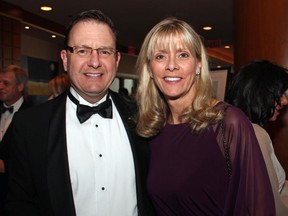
<point>16,105</point>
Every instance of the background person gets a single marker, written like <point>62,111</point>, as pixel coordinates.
<point>70,157</point>
<point>58,85</point>
<point>13,81</point>
<point>258,89</point>
<point>205,159</point>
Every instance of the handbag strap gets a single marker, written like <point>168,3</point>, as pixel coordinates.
<point>226,147</point>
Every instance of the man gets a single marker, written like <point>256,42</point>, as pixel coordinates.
<point>13,80</point>
<point>63,163</point>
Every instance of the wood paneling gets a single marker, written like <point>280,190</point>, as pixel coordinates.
<point>10,41</point>
<point>261,33</point>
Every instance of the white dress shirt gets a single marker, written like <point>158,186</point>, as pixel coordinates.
<point>100,163</point>
<point>6,117</point>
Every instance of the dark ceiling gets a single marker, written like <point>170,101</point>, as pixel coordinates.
<point>134,18</point>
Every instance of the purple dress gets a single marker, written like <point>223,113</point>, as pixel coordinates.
<point>188,174</point>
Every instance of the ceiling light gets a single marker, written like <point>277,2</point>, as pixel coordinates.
<point>46,8</point>
<point>27,27</point>
<point>227,47</point>
<point>207,28</point>
<point>219,66</point>
<point>53,36</point>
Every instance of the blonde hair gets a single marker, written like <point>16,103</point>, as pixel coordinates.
<point>58,84</point>
<point>153,109</point>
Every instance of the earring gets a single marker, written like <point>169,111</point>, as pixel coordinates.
<point>198,73</point>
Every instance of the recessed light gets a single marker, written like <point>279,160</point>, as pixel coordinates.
<point>27,27</point>
<point>46,8</point>
<point>207,28</point>
<point>53,36</point>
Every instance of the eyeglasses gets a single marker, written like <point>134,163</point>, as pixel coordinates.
<point>87,51</point>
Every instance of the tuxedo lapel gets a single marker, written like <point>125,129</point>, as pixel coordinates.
<point>24,105</point>
<point>58,177</point>
<point>126,112</point>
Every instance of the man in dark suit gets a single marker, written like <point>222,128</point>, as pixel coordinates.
<point>13,81</point>
<point>79,154</point>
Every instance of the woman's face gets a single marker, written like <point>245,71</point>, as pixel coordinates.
<point>278,107</point>
<point>173,69</point>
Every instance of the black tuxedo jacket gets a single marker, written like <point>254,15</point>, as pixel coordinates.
<point>3,145</point>
<point>39,180</point>
<point>4,151</point>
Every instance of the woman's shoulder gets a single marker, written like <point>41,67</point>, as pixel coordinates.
<point>233,116</point>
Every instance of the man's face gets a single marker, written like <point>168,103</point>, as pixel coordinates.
<point>92,75</point>
<point>10,92</point>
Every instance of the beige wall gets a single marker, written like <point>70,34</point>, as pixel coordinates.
<point>39,48</point>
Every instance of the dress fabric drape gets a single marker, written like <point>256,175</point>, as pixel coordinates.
<point>188,173</point>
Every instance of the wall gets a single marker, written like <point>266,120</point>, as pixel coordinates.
<point>10,42</point>
<point>261,33</point>
<point>39,48</point>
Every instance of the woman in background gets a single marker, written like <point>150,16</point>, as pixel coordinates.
<point>58,84</point>
<point>258,89</point>
<point>205,158</point>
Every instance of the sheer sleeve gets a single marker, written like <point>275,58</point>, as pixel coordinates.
<point>250,190</point>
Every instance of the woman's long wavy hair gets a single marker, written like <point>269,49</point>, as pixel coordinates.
<point>153,108</point>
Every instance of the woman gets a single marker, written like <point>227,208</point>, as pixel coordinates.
<point>58,84</point>
<point>258,89</point>
<point>205,159</point>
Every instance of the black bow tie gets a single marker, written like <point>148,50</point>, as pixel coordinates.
<point>84,112</point>
<point>3,109</point>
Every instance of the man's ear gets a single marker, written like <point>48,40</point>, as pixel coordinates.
<point>21,87</point>
<point>118,57</point>
<point>64,58</point>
